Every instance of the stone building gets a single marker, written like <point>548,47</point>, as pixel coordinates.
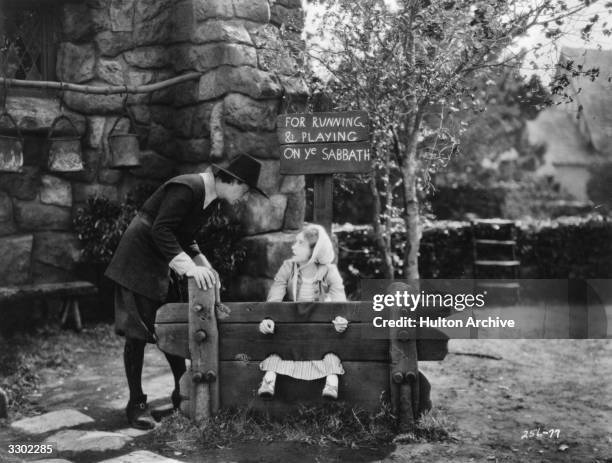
<point>246,81</point>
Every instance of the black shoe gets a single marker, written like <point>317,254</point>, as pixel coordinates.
<point>138,415</point>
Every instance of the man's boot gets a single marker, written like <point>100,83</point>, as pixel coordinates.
<point>138,415</point>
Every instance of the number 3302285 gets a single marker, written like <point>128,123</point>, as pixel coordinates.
<point>30,448</point>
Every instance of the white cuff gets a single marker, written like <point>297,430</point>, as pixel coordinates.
<point>182,263</point>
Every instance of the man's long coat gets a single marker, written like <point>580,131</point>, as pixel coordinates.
<point>165,226</point>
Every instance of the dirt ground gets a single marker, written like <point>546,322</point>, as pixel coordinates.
<point>491,400</point>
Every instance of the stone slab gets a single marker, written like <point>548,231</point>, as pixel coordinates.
<point>75,62</point>
<point>295,211</point>
<point>16,252</point>
<point>51,421</point>
<point>133,432</point>
<point>74,441</point>
<point>253,10</point>
<point>221,31</point>
<point>262,145</point>
<point>249,114</point>
<point>32,215</point>
<point>56,191</point>
<point>76,22</point>
<point>59,249</point>
<point>141,456</point>
<point>7,225</point>
<point>261,215</point>
<point>247,80</point>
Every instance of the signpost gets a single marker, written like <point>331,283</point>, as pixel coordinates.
<point>322,144</point>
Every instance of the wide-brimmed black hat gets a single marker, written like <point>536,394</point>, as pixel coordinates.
<point>245,169</point>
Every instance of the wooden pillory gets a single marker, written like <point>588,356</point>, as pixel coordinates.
<point>226,349</point>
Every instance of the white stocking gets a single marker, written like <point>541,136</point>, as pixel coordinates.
<point>270,377</point>
<point>331,380</point>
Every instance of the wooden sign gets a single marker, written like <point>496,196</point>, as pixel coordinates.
<point>324,143</point>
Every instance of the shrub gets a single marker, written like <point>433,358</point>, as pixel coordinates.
<point>99,227</point>
<point>567,247</point>
<point>219,241</point>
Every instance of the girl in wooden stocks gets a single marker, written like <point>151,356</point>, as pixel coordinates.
<point>306,277</point>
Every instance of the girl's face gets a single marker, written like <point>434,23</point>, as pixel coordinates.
<point>301,249</point>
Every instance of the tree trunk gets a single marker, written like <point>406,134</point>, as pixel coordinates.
<point>384,245</point>
<point>411,216</point>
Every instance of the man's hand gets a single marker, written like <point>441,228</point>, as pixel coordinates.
<point>204,277</point>
<point>266,326</point>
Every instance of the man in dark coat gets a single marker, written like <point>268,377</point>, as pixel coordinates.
<point>162,237</point>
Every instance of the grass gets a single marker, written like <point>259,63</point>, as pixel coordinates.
<point>330,424</point>
<point>24,356</point>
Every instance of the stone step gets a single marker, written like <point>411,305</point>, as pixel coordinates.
<point>51,421</point>
<point>141,456</point>
<point>75,441</point>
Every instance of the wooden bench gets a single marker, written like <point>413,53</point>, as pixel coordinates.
<point>225,353</point>
<point>68,292</point>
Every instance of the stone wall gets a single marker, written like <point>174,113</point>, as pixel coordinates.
<point>247,79</point>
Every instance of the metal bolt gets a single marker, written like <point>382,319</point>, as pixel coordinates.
<point>210,376</point>
<point>200,336</point>
<point>198,377</point>
<point>198,308</point>
<point>398,377</point>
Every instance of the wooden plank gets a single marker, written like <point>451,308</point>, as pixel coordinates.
<point>322,158</point>
<point>69,288</point>
<point>362,385</point>
<point>282,312</point>
<point>204,352</point>
<point>176,312</point>
<point>174,339</point>
<point>293,312</point>
<point>300,342</point>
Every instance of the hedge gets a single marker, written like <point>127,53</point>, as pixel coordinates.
<point>567,247</point>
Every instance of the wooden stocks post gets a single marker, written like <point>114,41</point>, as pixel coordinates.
<point>204,349</point>
<point>322,144</point>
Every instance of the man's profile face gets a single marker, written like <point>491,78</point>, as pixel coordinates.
<point>232,192</point>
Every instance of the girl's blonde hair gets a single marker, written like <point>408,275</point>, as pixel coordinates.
<point>321,248</point>
<point>311,235</point>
